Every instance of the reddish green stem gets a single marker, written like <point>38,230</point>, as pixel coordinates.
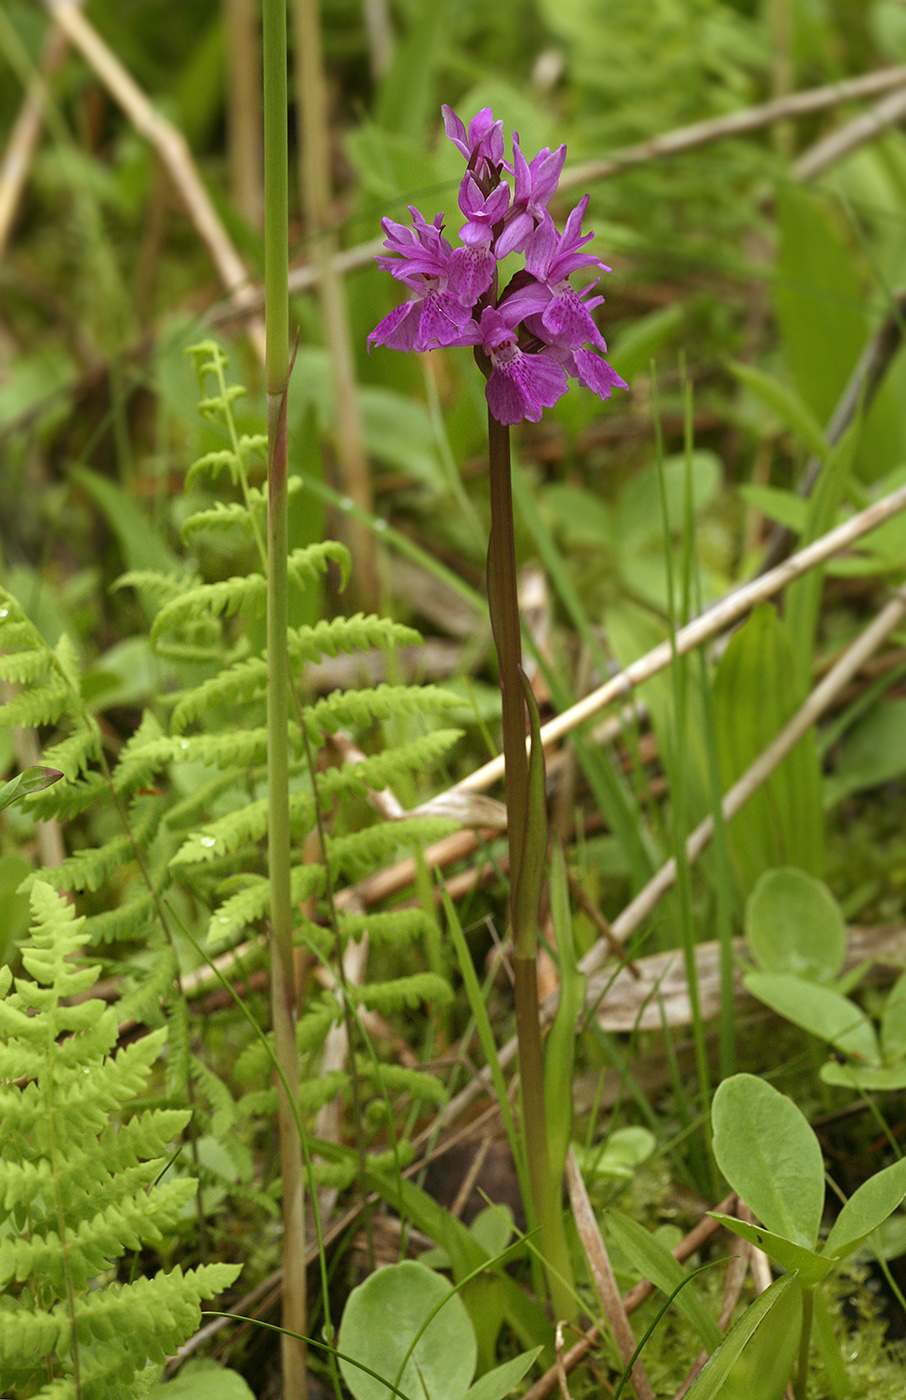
<point>526,851</point>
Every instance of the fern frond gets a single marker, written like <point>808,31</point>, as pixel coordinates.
<point>23,667</point>
<point>226,596</point>
<point>74,754</point>
<point>160,588</point>
<point>16,632</point>
<point>221,516</point>
<point>76,1187</point>
<point>235,686</point>
<point>388,927</point>
<point>359,852</point>
<point>314,1093</point>
<point>142,1002</point>
<point>418,755</point>
<point>352,708</point>
<point>193,653</point>
<point>248,591</point>
<point>250,904</point>
<point>387,997</point>
<point>229,515</point>
<point>361,632</point>
<point>202,799</point>
<point>398,1079</point>
<point>241,749</point>
<point>226,834</point>
<point>226,458</point>
<point>248,823</point>
<point>66,800</point>
<point>130,921</point>
<point>214,462</point>
<point>85,870</point>
<point>307,563</point>
<point>254,1063</point>
<point>44,704</point>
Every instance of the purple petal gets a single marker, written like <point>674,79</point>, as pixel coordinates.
<point>546,169</point>
<point>515,235</point>
<point>397,331</point>
<point>530,299</point>
<point>472,272</point>
<point>595,373</point>
<point>442,322</point>
<point>455,130</point>
<point>542,250</point>
<point>522,387</point>
<point>568,321</point>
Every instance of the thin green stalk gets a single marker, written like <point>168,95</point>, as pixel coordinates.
<point>283,992</point>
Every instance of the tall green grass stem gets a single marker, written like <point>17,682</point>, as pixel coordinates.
<point>283,991</point>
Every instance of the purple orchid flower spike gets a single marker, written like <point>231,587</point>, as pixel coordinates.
<point>538,330</point>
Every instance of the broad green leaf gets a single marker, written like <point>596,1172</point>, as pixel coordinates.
<point>818,300</point>
<point>504,1379</point>
<point>390,167</point>
<point>203,1380</point>
<point>398,431</point>
<point>655,1262</point>
<point>756,692</point>
<point>462,1248</point>
<point>821,1010</point>
<point>719,1366</point>
<point>794,925</point>
<point>803,598</point>
<point>787,508</point>
<point>811,1266</point>
<point>893,1022</point>
<point>873,752</point>
<point>34,779</point>
<point>381,1320</point>
<point>141,543</point>
<point>580,514</point>
<point>866,1209</point>
<point>485,1300</point>
<point>864,1079</point>
<point>770,1156</point>
<point>493,1228</point>
<point>641,508</point>
<point>624,1151</point>
<point>790,407</point>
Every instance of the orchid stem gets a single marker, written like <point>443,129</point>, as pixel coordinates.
<point>521,798</point>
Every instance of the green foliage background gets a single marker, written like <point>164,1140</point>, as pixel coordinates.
<point>741,299</point>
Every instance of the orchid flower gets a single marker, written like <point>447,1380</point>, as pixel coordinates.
<point>535,332</point>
